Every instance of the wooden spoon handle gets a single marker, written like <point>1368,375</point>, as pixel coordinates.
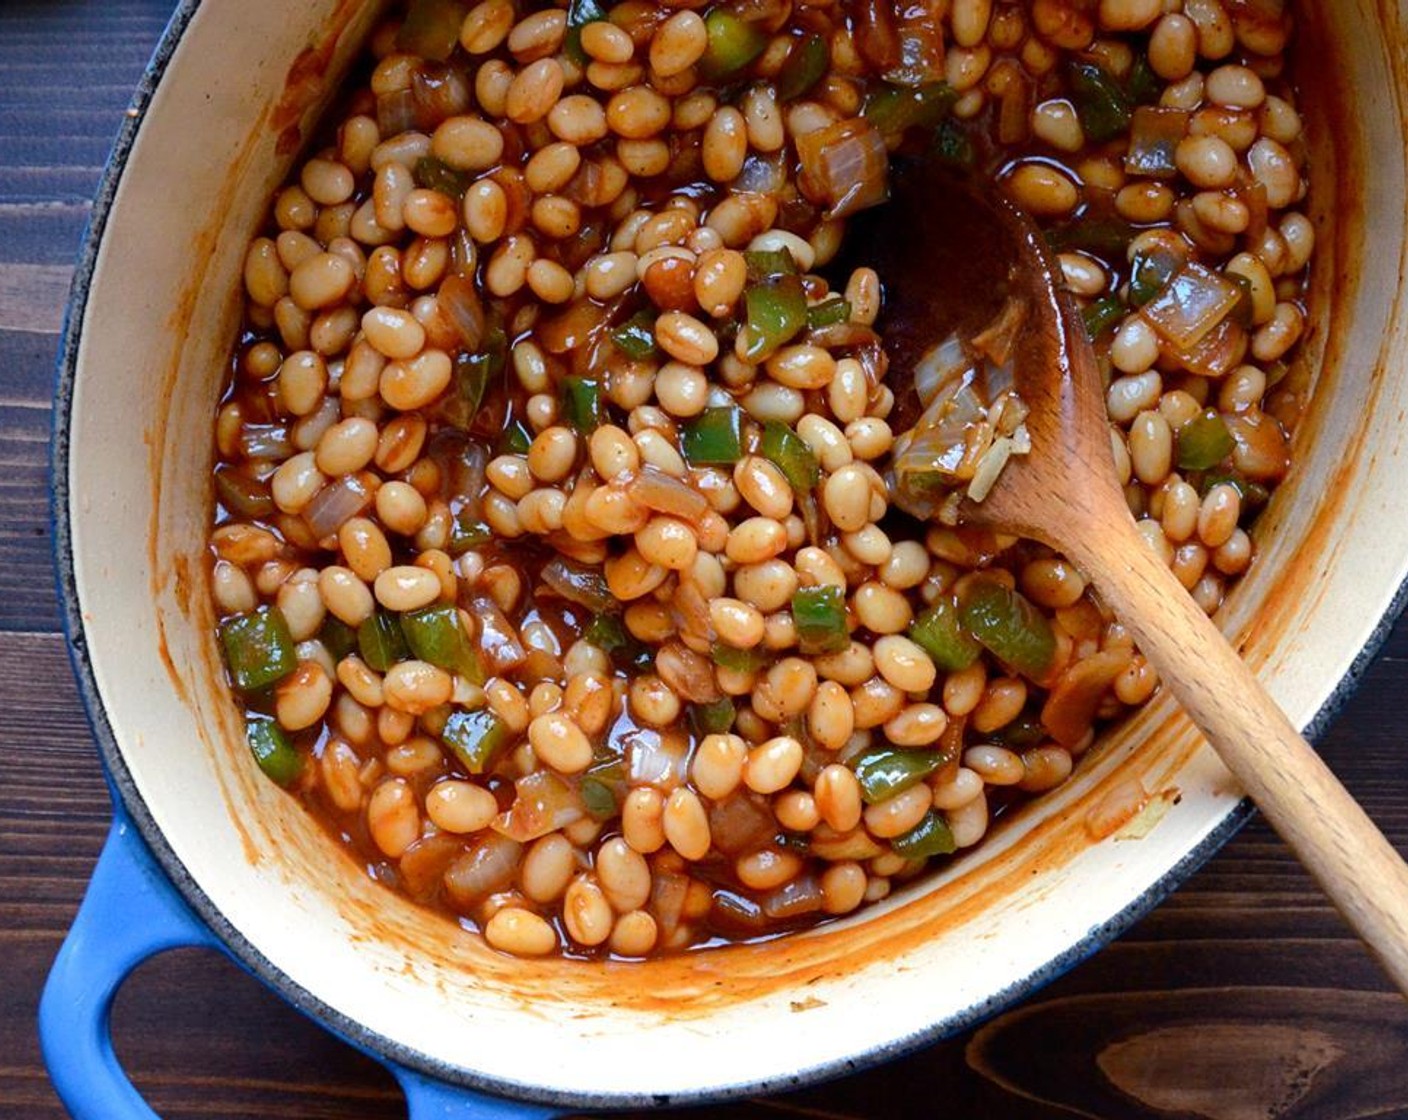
<point>1327,829</point>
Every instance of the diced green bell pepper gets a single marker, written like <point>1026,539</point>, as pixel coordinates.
<point>930,837</point>
<point>1103,108</point>
<point>1103,235</point>
<point>1023,732</point>
<point>740,660</point>
<point>790,454</point>
<point>437,175</point>
<point>768,264</point>
<point>713,438</point>
<point>583,403</point>
<point>435,634</point>
<point>431,28</point>
<point>820,617</point>
<point>475,738</point>
<point>604,787</point>
<point>1149,272</point>
<point>937,632</point>
<point>895,109</point>
<point>952,145</point>
<point>636,336</point>
<point>515,438</point>
<point>466,532</point>
<point>381,641</point>
<point>777,311</point>
<point>258,648</point>
<point>803,67</point>
<point>579,14</point>
<point>1143,85</point>
<point>597,798</point>
<point>473,374</point>
<point>714,718</point>
<point>1203,442</point>
<point>1254,494</point>
<point>828,313</point>
<point>337,637</point>
<point>1007,623</point>
<point>245,497</point>
<point>1102,315</point>
<point>606,633</point>
<point>732,44</point>
<point>272,749</point>
<point>885,771</point>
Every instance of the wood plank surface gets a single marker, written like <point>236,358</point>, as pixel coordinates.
<point>1242,997</point>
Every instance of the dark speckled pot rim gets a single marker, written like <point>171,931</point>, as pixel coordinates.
<point>363,1035</point>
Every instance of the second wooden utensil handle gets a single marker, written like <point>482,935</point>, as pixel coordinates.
<point>1331,834</point>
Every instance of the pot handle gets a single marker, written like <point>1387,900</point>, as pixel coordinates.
<point>130,912</point>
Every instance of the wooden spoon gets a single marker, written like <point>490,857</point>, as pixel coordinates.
<point>950,258</point>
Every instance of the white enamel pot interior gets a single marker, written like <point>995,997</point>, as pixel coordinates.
<point>237,85</point>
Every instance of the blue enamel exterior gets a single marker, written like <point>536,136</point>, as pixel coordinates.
<point>131,912</point>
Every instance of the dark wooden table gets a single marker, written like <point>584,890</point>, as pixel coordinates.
<point>1243,997</point>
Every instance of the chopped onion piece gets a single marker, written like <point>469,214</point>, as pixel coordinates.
<point>1154,134</point>
<point>689,674</point>
<point>487,867</point>
<point>1217,354</point>
<point>1008,411</point>
<point>839,336</point>
<point>844,165</point>
<point>583,586</point>
<point>464,461</point>
<point>989,467</point>
<point>690,607</point>
<point>396,112</point>
<point>656,490</point>
<point>946,362</point>
<point>440,92</point>
<point>998,338</point>
<point>656,758</point>
<point>545,803</point>
<point>948,512</point>
<point>498,640</point>
<point>265,441</point>
<point>761,174</point>
<point>941,439</point>
<point>422,866</point>
<point>875,33</point>
<point>734,914</point>
<point>741,822</point>
<point>1074,699</point>
<point>576,327</point>
<point>791,900</point>
<point>1191,305</point>
<point>668,895</point>
<point>460,302</point>
<point>336,503</point>
<point>921,47</point>
<point>970,424</point>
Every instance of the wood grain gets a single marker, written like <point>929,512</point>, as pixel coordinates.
<point>1245,961</point>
